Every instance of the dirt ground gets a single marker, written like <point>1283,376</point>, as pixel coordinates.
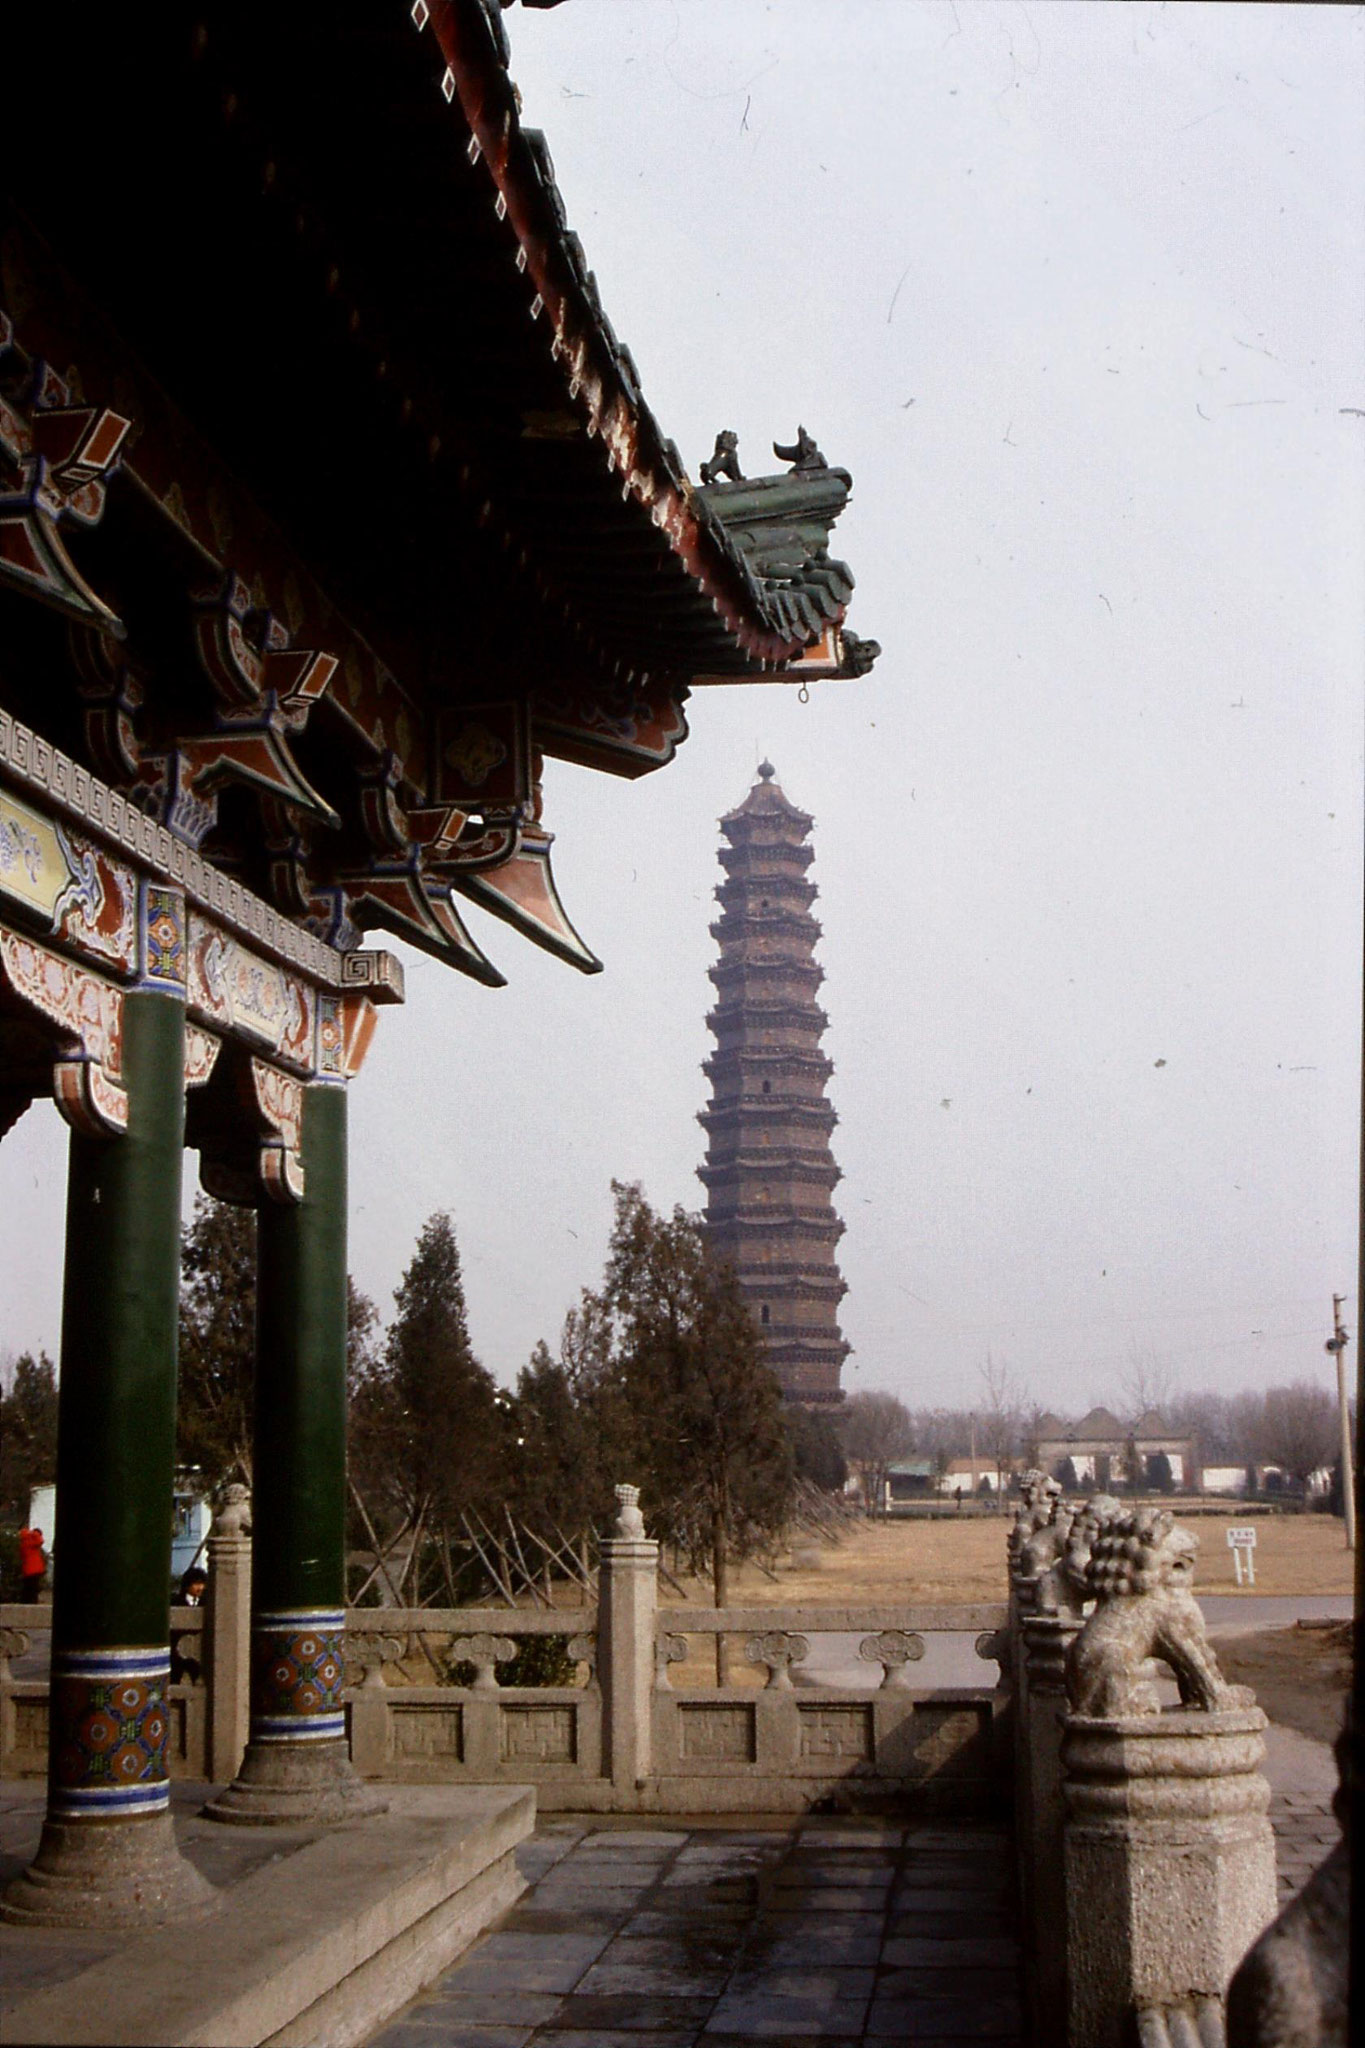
<point>1300,1675</point>
<point>951,1560</point>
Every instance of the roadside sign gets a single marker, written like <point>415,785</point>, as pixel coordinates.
<point>1242,1544</point>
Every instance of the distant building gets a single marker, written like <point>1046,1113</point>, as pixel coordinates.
<point>1098,1451</point>
<point>911,1478</point>
<point>973,1475</point>
<point>1229,1480</point>
<point>1236,1482</point>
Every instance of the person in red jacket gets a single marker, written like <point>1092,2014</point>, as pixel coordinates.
<point>32,1563</point>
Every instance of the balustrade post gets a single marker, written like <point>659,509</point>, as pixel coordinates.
<point>227,1628</point>
<point>627,1615</point>
<point>1169,1857</point>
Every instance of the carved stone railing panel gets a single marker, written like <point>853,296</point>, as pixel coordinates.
<point>483,1652</point>
<point>668,1649</point>
<point>778,1650</point>
<point>893,1649</point>
<point>14,1642</point>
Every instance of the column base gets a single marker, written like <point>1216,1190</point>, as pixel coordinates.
<point>108,1874</point>
<point>295,1784</point>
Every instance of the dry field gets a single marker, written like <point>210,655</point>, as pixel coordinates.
<point>946,1561</point>
<point>951,1560</point>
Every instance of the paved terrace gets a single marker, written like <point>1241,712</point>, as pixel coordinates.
<point>822,1933</point>
<point>810,1931</point>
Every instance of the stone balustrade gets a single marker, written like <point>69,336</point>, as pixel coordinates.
<point>624,1736</point>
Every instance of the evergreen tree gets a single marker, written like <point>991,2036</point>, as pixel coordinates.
<point>426,1433</point>
<point>686,1389</point>
<point>557,1476</point>
<point>217,1342</point>
<point>817,1452</point>
<point>28,1435</point>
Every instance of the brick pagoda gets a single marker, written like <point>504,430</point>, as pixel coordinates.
<point>769,1172</point>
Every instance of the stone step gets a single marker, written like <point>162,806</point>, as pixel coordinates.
<point>314,1948</point>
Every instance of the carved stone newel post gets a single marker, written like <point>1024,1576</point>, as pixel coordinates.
<point>1169,1856</point>
<point>228,1630</point>
<point>627,1611</point>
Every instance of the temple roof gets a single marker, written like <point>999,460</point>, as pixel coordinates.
<point>385,516</point>
<point>360,273</point>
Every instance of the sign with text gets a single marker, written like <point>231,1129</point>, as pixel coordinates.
<point>1242,1544</point>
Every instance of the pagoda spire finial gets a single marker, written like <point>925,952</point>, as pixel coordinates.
<point>766,771</point>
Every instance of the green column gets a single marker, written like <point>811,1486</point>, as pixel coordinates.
<point>107,1855</point>
<point>120,1324</point>
<point>299,1511</point>
<point>297,1763</point>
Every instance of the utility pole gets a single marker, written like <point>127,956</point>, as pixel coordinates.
<point>1337,1343</point>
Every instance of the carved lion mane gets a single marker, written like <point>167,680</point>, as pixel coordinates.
<point>1140,1573</point>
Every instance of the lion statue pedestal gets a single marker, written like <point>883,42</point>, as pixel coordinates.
<point>1169,1855</point>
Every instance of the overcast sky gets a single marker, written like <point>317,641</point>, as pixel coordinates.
<point>1075,293</point>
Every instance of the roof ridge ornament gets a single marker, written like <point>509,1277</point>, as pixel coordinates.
<point>724,459</point>
<point>802,454</point>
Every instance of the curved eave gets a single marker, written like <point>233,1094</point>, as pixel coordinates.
<point>597,373</point>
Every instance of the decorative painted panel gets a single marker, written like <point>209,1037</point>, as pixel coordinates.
<point>88,1013</point>
<point>629,731</point>
<point>836,1732</point>
<point>279,1098</point>
<point>109,1713</point>
<point>33,762</point>
<point>544,1735</point>
<point>243,996</point>
<point>81,894</point>
<point>717,1734</point>
<point>201,1055</point>
<point>163,937</point>
<point>484,755</point>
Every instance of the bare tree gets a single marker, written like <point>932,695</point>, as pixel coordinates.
<point>876,1429</point>
<point>1147,1383</point>
<point>1000,1419</point>
<point>1298,1429</point>
<point>942,1434</point>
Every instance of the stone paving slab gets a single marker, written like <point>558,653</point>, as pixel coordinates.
<point>705,1937</point>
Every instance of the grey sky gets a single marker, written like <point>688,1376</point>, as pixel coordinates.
<point>1075,292</point>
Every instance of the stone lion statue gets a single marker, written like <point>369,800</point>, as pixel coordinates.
<point>1042,1549</point>
<point>1064,1587</point>
<point>1140,1573</point>
<point>1035,1510</point>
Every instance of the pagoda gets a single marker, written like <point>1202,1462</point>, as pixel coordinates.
<point>770,1172</point>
